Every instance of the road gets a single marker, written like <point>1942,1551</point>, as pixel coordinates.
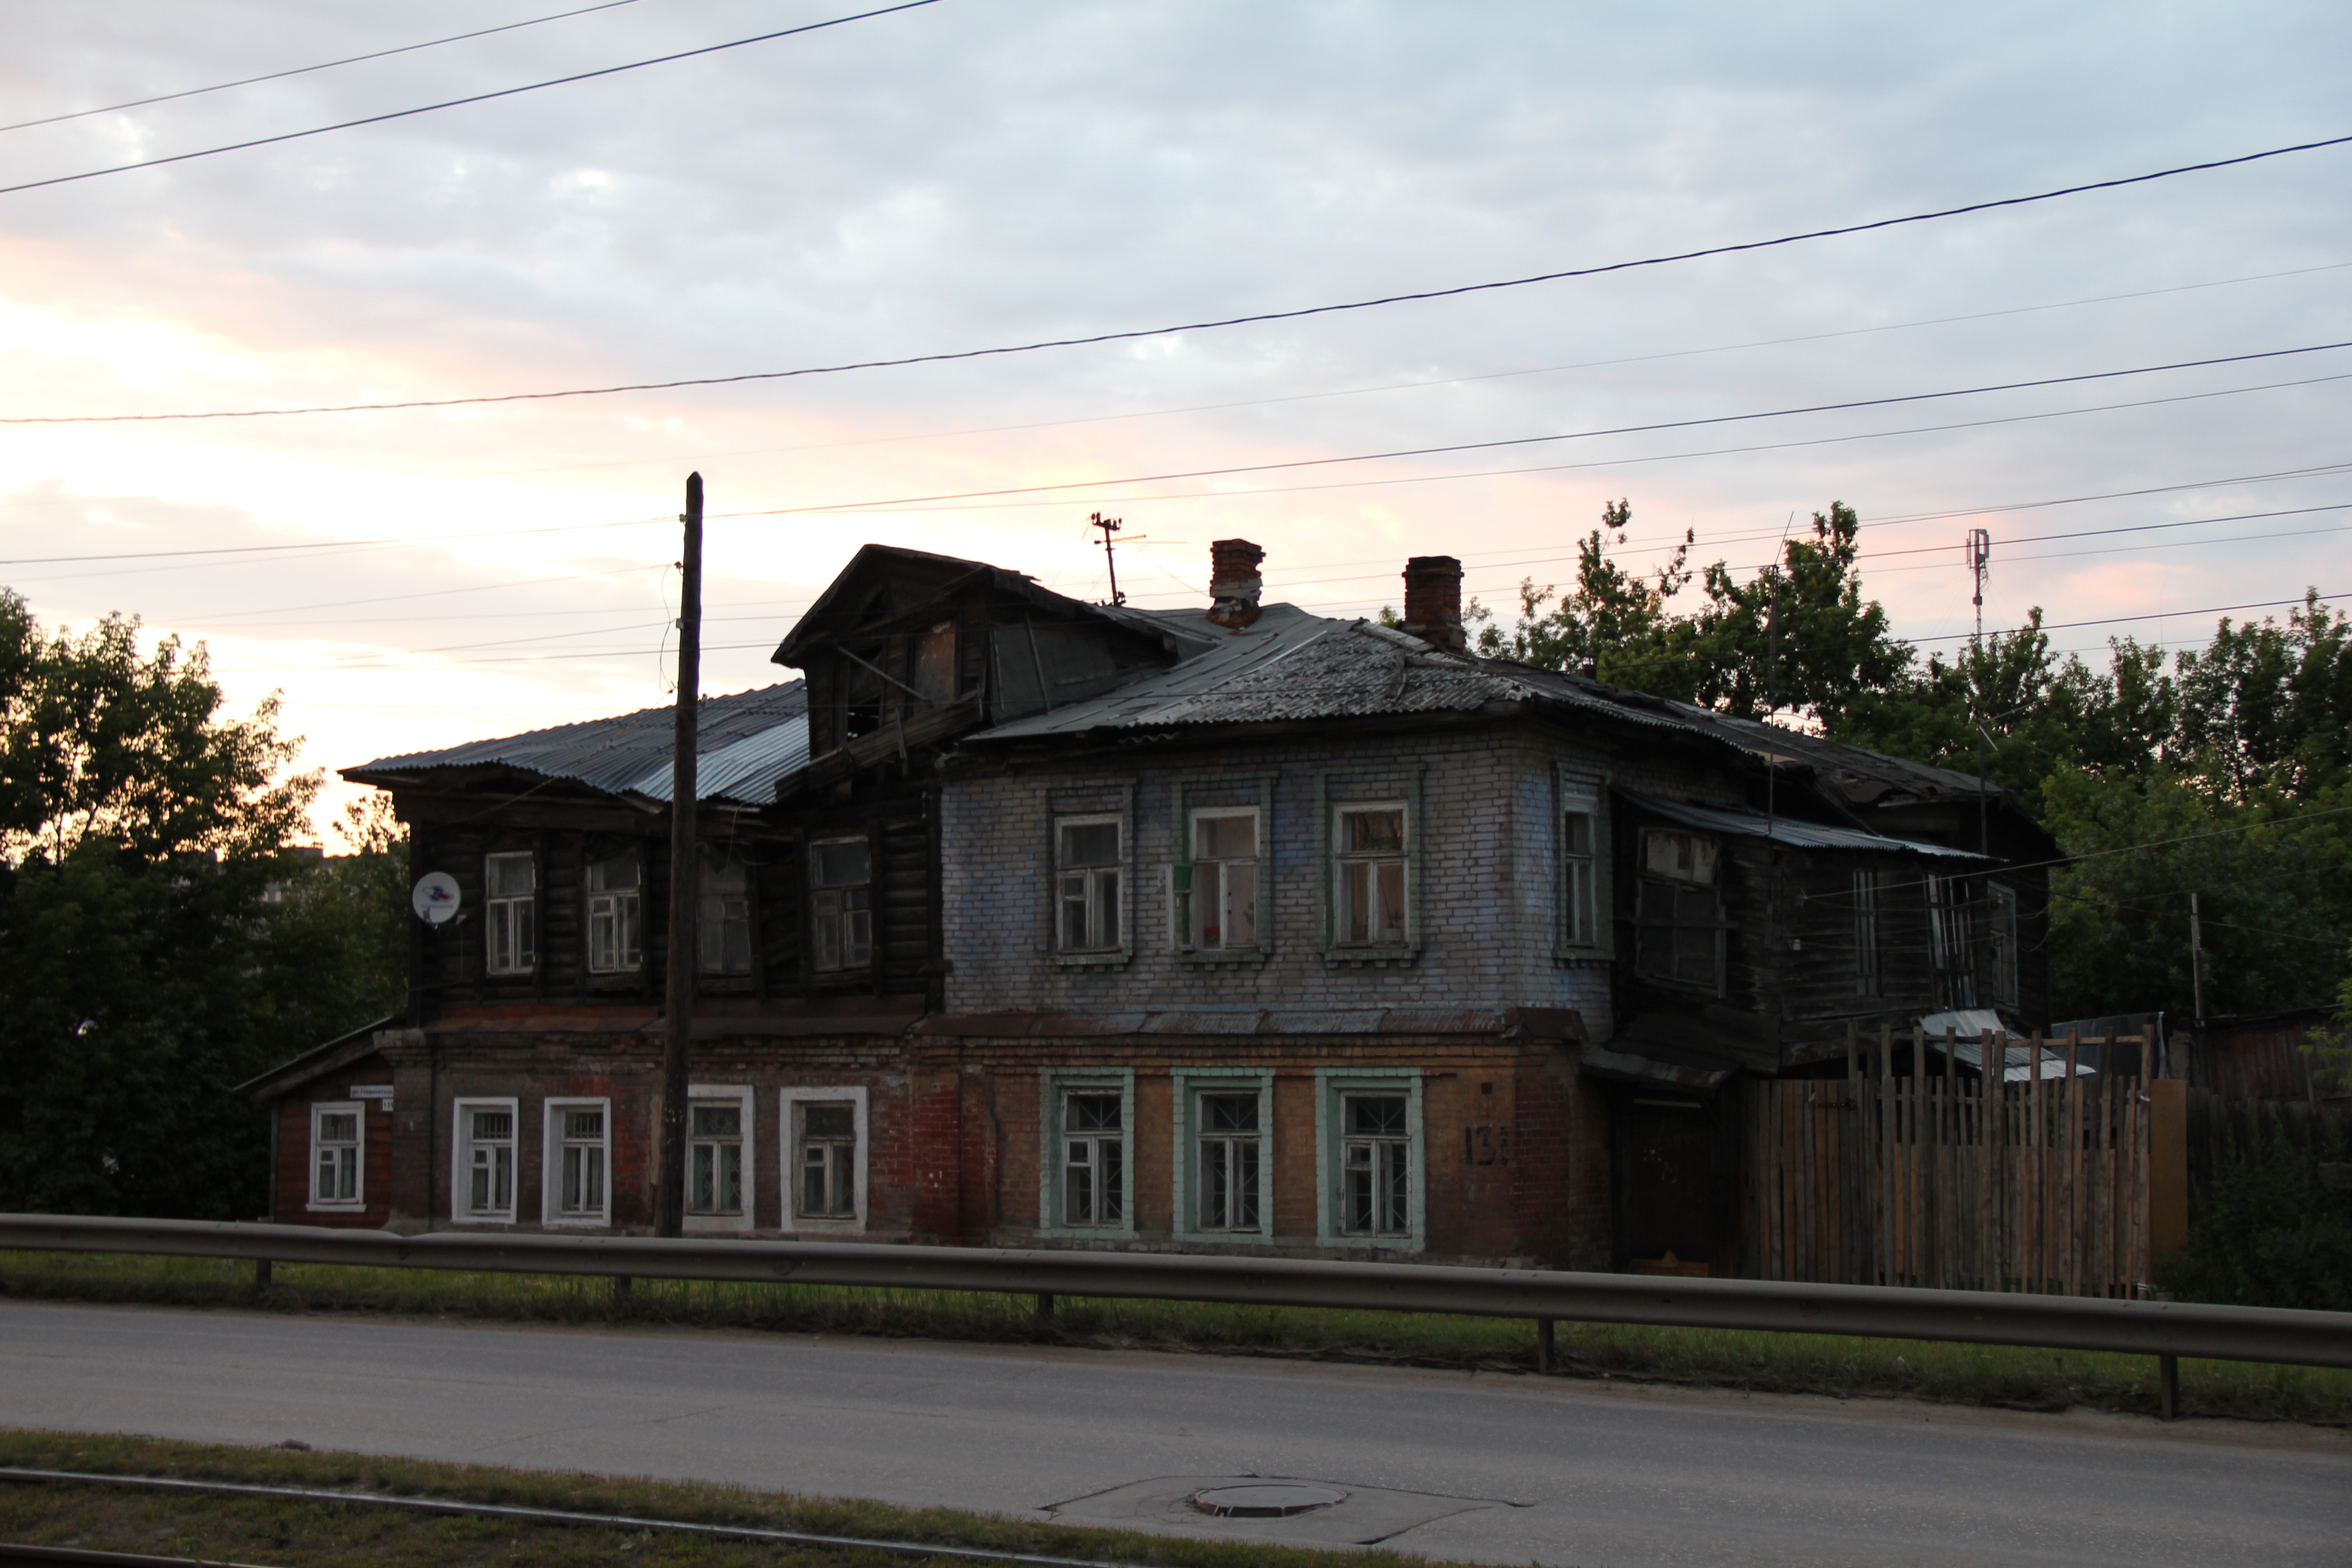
<point>1469,1468</point>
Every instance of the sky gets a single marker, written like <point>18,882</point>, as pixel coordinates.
<point>966,175</point>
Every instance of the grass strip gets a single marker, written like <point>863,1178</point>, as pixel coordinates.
<point>1838,1366</point>
<point>278,1529</point>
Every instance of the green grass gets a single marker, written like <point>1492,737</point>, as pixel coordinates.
<point>1785,1364</point>
<point>291,1530</point>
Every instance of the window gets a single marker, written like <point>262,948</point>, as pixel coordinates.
<point>482,1177</point>
<point>1680,933</point>
<point>1217,893</point>
<point>1369,1157</point>
<point>1371,882</point>
<point>1579,836</point>
<point>1948,942</point>
<point>714,1166</point>
<point>338,1179</point>
<point>510,912</point>
<point>935,660</point>
<point>2000,946</point>
<point>1866,980</point>
<point>1087,861</point>
<point>616,942</point>
<point>828,1164</point>
<point>579,1160</point>
<point>723,926</point>
<point>1375,1166</point>
<point>840,877</point>
<point>1230,1161</point>
<point>824,1165</point>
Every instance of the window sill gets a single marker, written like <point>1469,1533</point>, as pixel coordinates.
<point>579,1222</point>
<point>315,1206</point>
<point>1582,958</point>
<point>483,1219</point>
<point>1092,959</point>
<point>845,1226</point>
<point>1223,958</point>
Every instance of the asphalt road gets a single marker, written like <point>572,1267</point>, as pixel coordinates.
<point>1490,1469</point>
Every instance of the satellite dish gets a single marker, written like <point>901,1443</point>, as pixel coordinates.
<point>435,898</point>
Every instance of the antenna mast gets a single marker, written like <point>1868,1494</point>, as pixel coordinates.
<point>1109,525</point>
<point>1980,557</point>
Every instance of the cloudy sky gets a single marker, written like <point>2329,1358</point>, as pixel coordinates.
<point>971,174</point>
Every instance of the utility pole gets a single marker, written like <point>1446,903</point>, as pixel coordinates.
<point>1109,525</point>
<point>2197,960</point>
<point>669,1173</point>
<point>1980,557</point>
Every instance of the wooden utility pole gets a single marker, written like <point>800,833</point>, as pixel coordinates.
<point>2197,959</point>
<point>669,1174</point>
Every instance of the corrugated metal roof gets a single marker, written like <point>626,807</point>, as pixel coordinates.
<point>746,743</point>
<point>1781,830</point>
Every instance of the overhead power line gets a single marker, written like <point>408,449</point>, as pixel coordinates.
<point>304,70</point>
<point>476,98</point>
<point>1123,336</point>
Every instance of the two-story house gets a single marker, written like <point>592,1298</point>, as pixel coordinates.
<point>1031,922</point>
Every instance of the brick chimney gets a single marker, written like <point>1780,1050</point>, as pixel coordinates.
<point>1432,601</point>
<point>1234,581</point>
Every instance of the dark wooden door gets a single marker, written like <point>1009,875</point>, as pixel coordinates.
<point>1677,1175</point>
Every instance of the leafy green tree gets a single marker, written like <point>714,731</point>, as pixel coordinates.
<point>164,944</point>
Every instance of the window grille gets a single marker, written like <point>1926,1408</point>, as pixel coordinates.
<point>1218,891</point>
<point>840,879</point>
<point>489,1163</point>
<point>510,912</point>
<point>1370,868</point>
<point>1094,1158</point>
<point>1087,862</point>
<point>1376,1164</point>
<point>828,1161</point>
<point>1230,1162</point>
<point>616,915</point>
<point>715,1160</point>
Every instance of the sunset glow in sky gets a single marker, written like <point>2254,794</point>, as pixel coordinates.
<point>971,174</point>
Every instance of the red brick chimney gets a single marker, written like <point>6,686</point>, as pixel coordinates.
<point>1234,581</point>
<point>1432,601</point>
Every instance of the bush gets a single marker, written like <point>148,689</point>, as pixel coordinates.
<point>2272,1228</point>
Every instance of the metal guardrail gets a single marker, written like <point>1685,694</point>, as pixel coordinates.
<point>2165,1329</point>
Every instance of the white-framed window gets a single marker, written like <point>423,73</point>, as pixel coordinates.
<point>1371,1162</point>
<point>1580,881</point>
<point>339,1155</point>
<point>722,923</point>
<point>825,1163</point>
<point>579,1186</point>
<point>1088,1170</point>
<point>1867,980</point>
<point>1217,889</point>
<point>482,1161</point>
<point>616,942</point>
<point>510,912</point>
<point>1371,868</point>
<point>1089,860</point>
<point>1680,934</point>
<point>841,893</point>
<point>719,1157</point>
<point>2000,942</point>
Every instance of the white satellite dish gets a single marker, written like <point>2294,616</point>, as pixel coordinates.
<point>435,898</point>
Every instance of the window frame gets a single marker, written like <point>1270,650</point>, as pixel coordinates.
<point>554,1143</point>
<point>358,1109</point>
<point>720,854</point>
<point>1184,883</point>
<point>1123,817</point>
<point>1189,1084</point>
<point>1054,1087</point>
<point>1577,792</point>
<point>1951,942</point>
<point>629,961</point>
<point>789,1160</point>
<point>1332,1087</point>
<point>491,912</point>
<point>742,1096</point>
<point>461,1148</point>
<point>1869,952</point>
<point>1371,790</point>
<point>817,915</point>
<point>2001,945</point>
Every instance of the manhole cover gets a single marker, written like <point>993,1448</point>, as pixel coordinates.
<point>1268,1499</point>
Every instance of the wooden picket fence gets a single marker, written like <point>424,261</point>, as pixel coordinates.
<point>1925,1178</point>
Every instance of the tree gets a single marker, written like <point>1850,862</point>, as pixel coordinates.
<point>164,943</point>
